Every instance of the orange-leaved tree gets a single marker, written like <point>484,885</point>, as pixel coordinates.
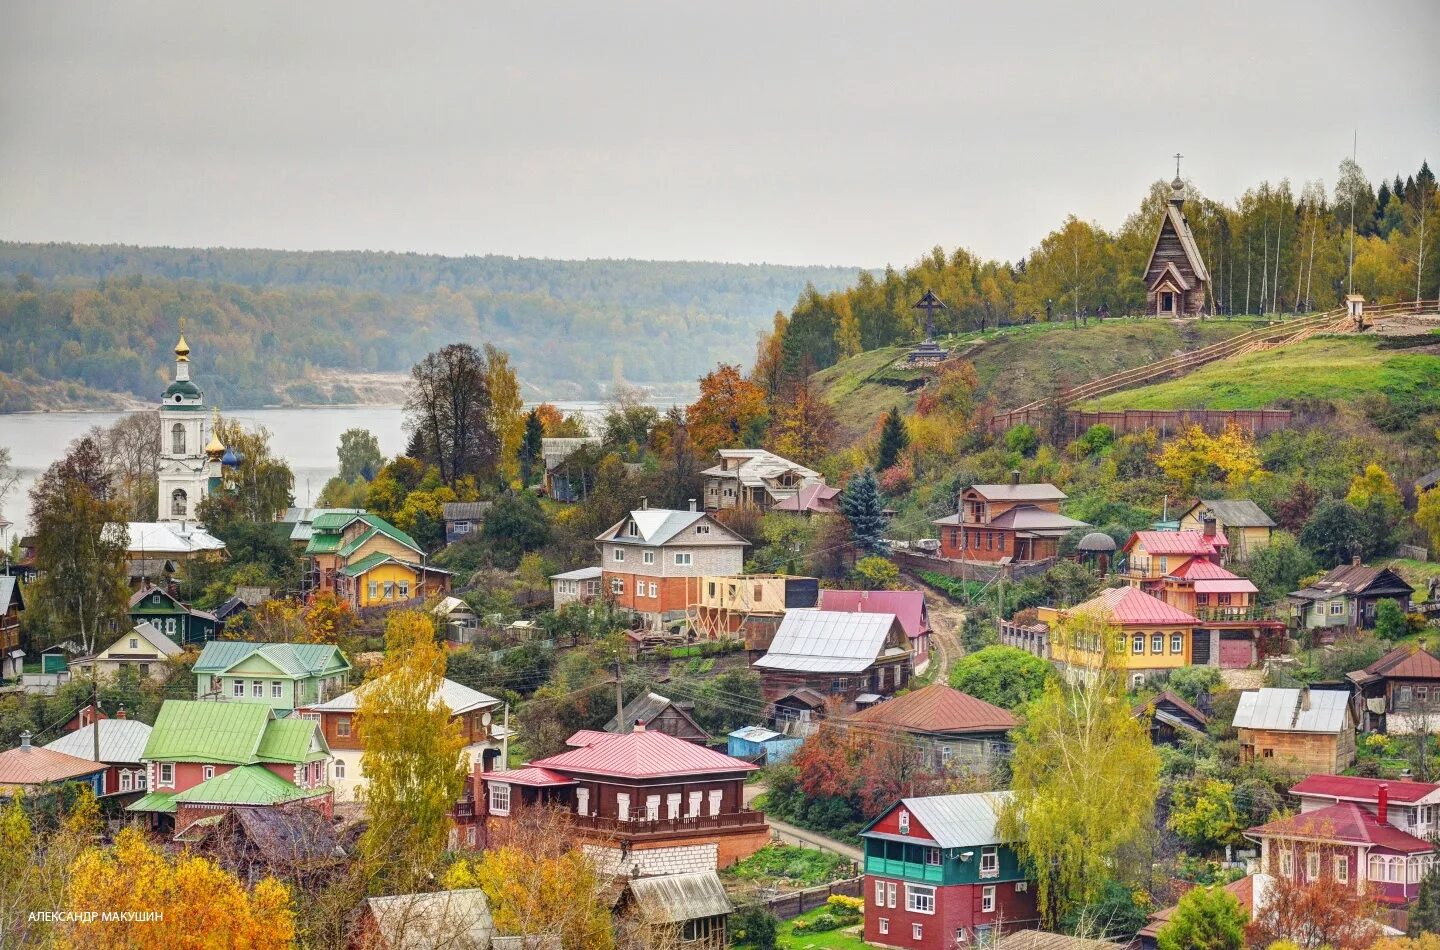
<point>729,412</point>
<point>180,903</point>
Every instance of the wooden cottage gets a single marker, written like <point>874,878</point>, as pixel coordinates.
<point>953,731</point>
<point>681,911</point>
<point>1012,523</point>
<point>1399,693</point>
<point>1343,600</point>
<point>1303,730</point>
<point>660,714</point>
<point>854,659</point>
<point>1245,526</point>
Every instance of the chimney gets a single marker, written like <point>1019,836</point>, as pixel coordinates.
<point>1355,560</point>
<point>120,713</point>
<point>25,739</point>
<point>645,504</point>
<point>1383,813</point>
<point>1014,476</point>
<point>1209,526</point>
<point>639,725</point>
<point>692,504</point>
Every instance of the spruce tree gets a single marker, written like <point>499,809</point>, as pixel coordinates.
<point>893,440</point>
<point>1425,915</point>
<point>531,447</point>
<point>863,507</point>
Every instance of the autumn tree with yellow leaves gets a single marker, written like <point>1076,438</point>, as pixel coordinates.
<point>413,762</point>
<point>35,863</point>
<point>1197,457</point>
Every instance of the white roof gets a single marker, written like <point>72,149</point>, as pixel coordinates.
<point>1283,710</point>
<point>827,641</point>
<point>458,699</point>
<point>958,821</point>
<point>758,466</point>
<point>121,740</point>
<point>167,537</point>
<point>450,605</point>
<point>656,526</point>
<point>580,574</point>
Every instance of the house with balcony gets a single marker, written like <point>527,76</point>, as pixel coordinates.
<point>284,676</point>
<point>1344,600</point>
<point>203,759</point>
<point>1399,693</point>
<point>652,559</point>
<point>1301,730</point>
<point>1012,523</point>
<point>747,607</point>
<point>849,659</point>
<point>644,802</point>
<point>1234,630</point>
<point>1246,527</point>
<point>1413,807</point>
<point>1148,557</point>
<point>367,562</point>
<point>938,874</point>
<point>1149,639</point>
<point>754,479</point>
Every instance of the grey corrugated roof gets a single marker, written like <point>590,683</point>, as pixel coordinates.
<point>1239,512</point>
<point>457,698</point>
<point>158,640</point>
<point>958,821</point>
<point>827,641</point>
<point>8,587</point>
<point>1284,710</point>
<point>444,920</point>
<point>674,898</point>
<point>121,741</point>
<point>579,574</point>
<point>656,526</point>
<point>1037,491</point>
<point>464,510</point>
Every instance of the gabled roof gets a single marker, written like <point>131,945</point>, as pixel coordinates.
<point>369,562</point>
<point>647,754</point>
<point>1292,710</point>
<point>1037,491</point>
<point>1193,543</point>
<point>1347,822</point>
<point>1352,579</point>
<point>170,537</point>
<point>529,775</point>
<point>245,785</point>
<point>937,708</point>
<point>122,741</point>
<point>908,606</point>
<point>643,709</point>
<point>457,697</point>
<point>1358,789</point>
<point>675,898</point>
<point>327,527</point>
<point>443,920</point>
<point>303,519</point>
<point>1235,512</point>
<point>288,834</point>
<point>1199,569</point>
<point>817,496</point>
<point>1237,585</point>
<point>955,821</point>
<point>1177,222</point>
<point>224,733</point>
<point>1169,707</point>
<point>464,510</point>
<point>757,466</point>
<point>36,765</point>
<point>579,574</point>
<point>293,740</point>
<point>1124,605</point>
<point>293,659</point>
<point>657,526</point>
<point>10,593</point>
<point>583,737</point>
<point>827,641</point>
<point>148,632</point>
<point>1172,273</point>
<point>1406,661</point>
<point>1031,518</point>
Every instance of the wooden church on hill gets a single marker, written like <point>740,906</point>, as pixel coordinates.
<point>1176,281</point>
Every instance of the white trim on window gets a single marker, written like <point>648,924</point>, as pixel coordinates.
<point>499,798</point>
<point>919,898</point>
<point>987,899</point>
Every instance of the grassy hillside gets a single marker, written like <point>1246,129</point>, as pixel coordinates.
<point>1332,368</point>
<point>1015,364</point>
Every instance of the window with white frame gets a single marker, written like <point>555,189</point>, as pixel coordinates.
<point>632,529</point>
<point>374,590</point>
<point>342,726</point>
<point>932,857</point>
<point>257,689</point>
<point>987,899</point>
<point>1287,863</point>
<point>389,590</point>
<point>1342,868</point>
<point>499,798</point>
<point>683,559</point>
<point>715,796</point>
<point>134,643</point>
<point>1021,887</point>
<point>404,590</point>
<point>1312,865</point>
<point>653,591</point>
<point>125,780</point>
<point>276,689</point>
<point>619,554</point>
<point>903,821</point>
<point>237,688</point>
<point>639,588</point>
<point>1137,643</point>
<point>920,898</point>
<point>617,586</point>
<point>917,931</point>
<point>890,890</point>
<point>989,862</point>
<point>167,773</point>
<point>648,557</point>
<point>141,780</point>
<point>339,768</point>
<point>702,529</point>
<point>1157,643</point>
<point>884,925</point>
<point>1177,643</point>
<point>879,893</point>
<point>207,773</point>
<point>1337,607</point>
<point>622,806</point>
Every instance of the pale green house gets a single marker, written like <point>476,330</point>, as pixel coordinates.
<point>284,676</point>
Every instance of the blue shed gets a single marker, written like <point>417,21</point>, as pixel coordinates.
<point>751,742</point>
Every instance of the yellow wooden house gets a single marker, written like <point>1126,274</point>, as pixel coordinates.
<point>368,562</point>
<point>1148,638</point>
<point>1246,527</point>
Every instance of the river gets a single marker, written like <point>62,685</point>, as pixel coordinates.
<point>305,437</point>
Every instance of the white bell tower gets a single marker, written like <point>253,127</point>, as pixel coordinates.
<point>184,472</point>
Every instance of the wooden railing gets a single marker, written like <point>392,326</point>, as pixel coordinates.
<point>1220,614</point>
<point>667,826</point>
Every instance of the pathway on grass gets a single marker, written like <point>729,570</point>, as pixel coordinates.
<point>946,619</point>
<point>803,837</point>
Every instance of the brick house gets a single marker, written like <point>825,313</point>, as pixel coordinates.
<point>852,659</point>
<point>1012,523</point>
<point>1413,807</point>
<point>645,802</point>
<point>938,874</point>
<point>652,557</point>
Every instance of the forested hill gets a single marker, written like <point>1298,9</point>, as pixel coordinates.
<point>288,326</point>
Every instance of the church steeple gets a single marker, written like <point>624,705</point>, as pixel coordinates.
<point>182,356</point>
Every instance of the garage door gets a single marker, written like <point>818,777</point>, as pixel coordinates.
<point>1234,654</point>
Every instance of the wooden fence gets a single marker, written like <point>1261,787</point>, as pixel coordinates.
<point>1164,422</point>
<point>792,905</point>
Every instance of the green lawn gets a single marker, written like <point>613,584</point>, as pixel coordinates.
<point>830,940</point>
<point>1333,368</point>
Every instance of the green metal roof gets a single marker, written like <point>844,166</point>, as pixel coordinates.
<point>289,740</point>
<point>326,531</point>
<point>223,732</point>
<point>369,562</point>
<point>324,543</point>
<point>244,785</point>
<point>292,659</point>
<point>333,520</point>
<point>355,545</point>
<point>183,387</point>
<point>155,801</point>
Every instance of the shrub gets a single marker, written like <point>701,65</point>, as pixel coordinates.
<point>842,906</point>
<point>820,923</point>
<point>755,926</point>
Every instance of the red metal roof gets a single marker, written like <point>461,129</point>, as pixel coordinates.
<point>1243,889</point>
<point>816,496</point>
<point>584,737</point>
<point>1196,543</point>
<point>1406,661</point>
<point>646,754</point>
<point>1131,605</point>
<point>530,775</point>
<point>1346,822</point>
<point>908,606</point>
<point>35,765</point>
<point>937,708</point>
<point>1197,569</point>
<point>1355,788</point>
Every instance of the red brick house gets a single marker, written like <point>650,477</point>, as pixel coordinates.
<point>646,802</point>
<point>1010,523</point>
<point>652,558</point>
<point>938,874</point>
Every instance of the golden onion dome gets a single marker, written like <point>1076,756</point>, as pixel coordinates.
<point>182,349</point>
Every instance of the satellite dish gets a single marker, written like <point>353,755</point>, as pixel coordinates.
<point>486,718</point>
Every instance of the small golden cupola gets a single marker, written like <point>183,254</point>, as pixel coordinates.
<point>214,448</point>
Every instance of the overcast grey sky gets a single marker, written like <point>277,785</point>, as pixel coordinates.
<point>835,132</point>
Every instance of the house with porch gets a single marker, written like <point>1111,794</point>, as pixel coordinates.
<point>1399,693</point>
<point>1302,730</point>
<point>475,712</point>
<point>953,731</point>
<point>645,802</point>
<point>754,479</point>
<point>367,562</point>
<point>1176,279</point>
<point>121,743</point>
<point>852,659</point>
<point>651,558</point>
<point>284,676</point>
<point>908,606</point>
<point>1148,557</point>
<point>28,768</point>
<point>1246,527</point>
<point>1012,523</point>
<point>1344,599</point>
<point>204,758</point>
<point>1233,630</point>
<point>177,620</point>
<point>144,649</point>
<point>938,874</point>
<point>1150,638</point>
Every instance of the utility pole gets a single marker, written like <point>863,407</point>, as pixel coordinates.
<point>619,697</point>
<point>95,714</point>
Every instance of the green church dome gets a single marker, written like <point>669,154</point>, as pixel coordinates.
<point>184,388</point>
